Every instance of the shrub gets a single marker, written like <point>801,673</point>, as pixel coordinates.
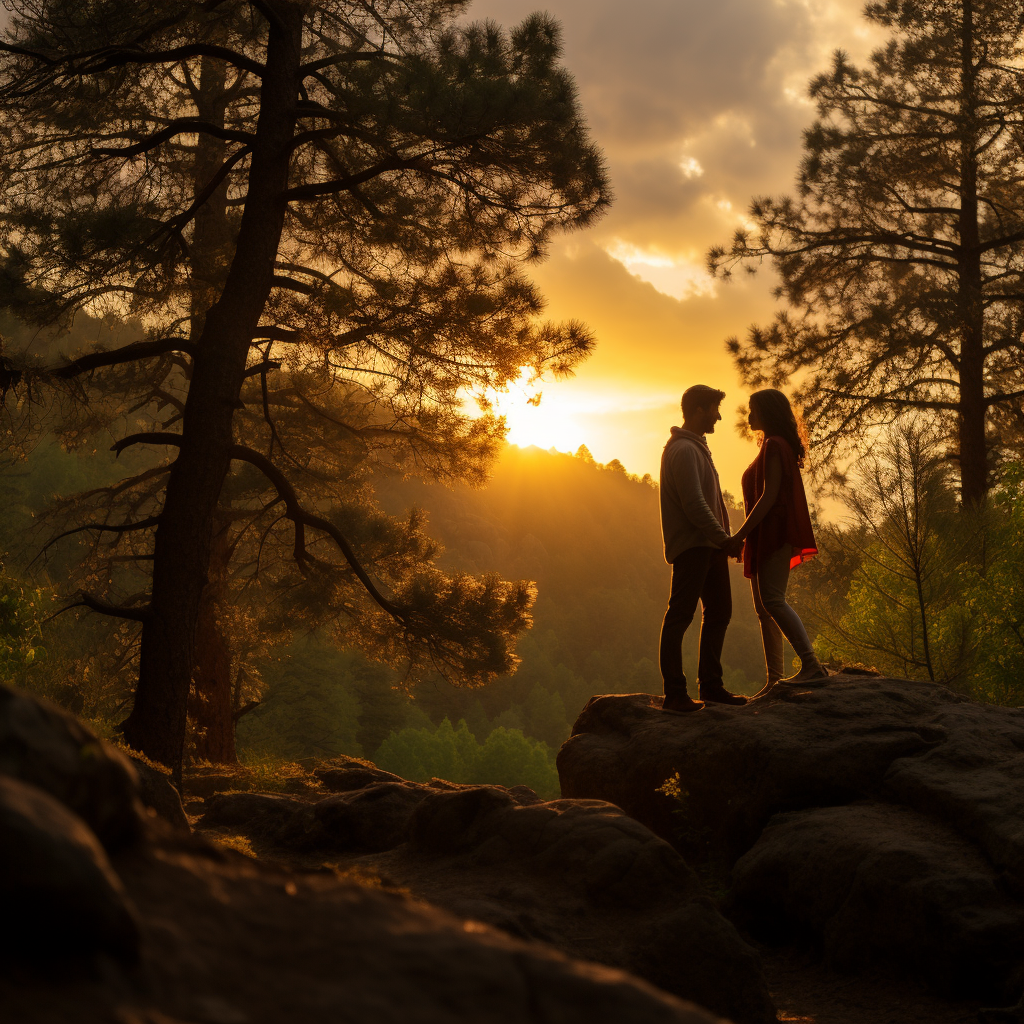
<point>506,758</point>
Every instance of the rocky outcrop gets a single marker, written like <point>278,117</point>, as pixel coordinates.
<point>884,884</point>
<point>345,774</point>
<point>577,874</point>
<point>881,817</point>
<point>59,894</point>
<point>586,878</point>
<point>52,750</point>
<point>165,925</point>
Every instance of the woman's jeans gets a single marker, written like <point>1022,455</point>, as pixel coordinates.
<point>776,617</point>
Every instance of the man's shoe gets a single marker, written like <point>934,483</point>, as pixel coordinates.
<point>680,704</point>
<point>720,695</point>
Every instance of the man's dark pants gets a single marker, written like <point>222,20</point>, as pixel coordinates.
<point>699,574</point>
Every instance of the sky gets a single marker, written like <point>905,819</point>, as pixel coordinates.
<point>698,106</point>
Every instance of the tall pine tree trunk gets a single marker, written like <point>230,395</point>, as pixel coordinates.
<point>212,705</point>
<point>210,248</point>
<point>156,725</point>
<point>974,475</point>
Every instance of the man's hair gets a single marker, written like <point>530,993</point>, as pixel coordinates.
<point>700,396</point>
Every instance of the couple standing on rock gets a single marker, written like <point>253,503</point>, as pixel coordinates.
<point>775,537</point>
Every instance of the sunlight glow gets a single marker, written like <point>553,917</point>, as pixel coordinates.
<point>531,420</point>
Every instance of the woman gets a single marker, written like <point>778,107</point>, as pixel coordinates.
<point>777,532</point>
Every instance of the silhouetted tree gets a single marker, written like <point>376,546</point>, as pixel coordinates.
<point>896,593</point>
<point>324,202</point>
<point>901,256</point>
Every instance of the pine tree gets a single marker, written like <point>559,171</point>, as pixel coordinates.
<point>317,212</point>
<point>901,256</point>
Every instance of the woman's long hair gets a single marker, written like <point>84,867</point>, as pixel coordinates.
<point>775,412</point>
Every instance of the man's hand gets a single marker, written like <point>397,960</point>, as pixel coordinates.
<point>733,547</point>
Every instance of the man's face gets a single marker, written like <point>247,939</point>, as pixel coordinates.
<point>706,418</point>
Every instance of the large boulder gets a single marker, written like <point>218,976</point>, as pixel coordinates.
<point>883,817</point>
<point>588,879</point>
<point>59,894</point>
<point>368,820</point>
<point>52,750</point>
<point>270,818</point>
<point>577,874</point>
<point>883,883</point>
<point>372,819</point>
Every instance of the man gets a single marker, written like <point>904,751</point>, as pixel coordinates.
<point>695,528</point>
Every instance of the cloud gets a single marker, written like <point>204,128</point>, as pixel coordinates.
<point>693,102</point>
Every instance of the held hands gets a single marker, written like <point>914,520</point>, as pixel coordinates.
<point>733,547</point>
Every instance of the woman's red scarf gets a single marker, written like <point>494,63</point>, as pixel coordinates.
<point>789,521</point>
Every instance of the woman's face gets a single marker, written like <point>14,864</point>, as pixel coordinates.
<point>754,419</point>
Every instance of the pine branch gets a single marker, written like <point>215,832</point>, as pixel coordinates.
<point>326,188</point>
<point>346,58</point>
<point>92,62</point>
<point>180,126</point>
<point>301,519</point>
<point>146,437</point>
<point>117,56</point>
<point>96,605</point>
<point>126,354</point>
<point>118,528</point>
<point>176,223</point>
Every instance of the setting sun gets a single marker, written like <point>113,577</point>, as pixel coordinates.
<point>533,421</point>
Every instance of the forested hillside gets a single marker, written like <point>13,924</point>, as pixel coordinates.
<point>587,535</point>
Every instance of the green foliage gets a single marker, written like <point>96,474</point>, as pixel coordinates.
<point>89,662</point>
<point>22,610</point>
<point>908,547</point>
<point>995,598</point>
<point>506,758</point>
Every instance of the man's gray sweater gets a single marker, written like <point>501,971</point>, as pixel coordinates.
<point>693,513</point>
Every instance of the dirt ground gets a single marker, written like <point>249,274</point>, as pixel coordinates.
<point>806,992</point>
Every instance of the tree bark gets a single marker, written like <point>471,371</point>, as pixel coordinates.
<point>212,704</point>
<point>974,475</point>
<point>210,249</point>
<point>156,725</point>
